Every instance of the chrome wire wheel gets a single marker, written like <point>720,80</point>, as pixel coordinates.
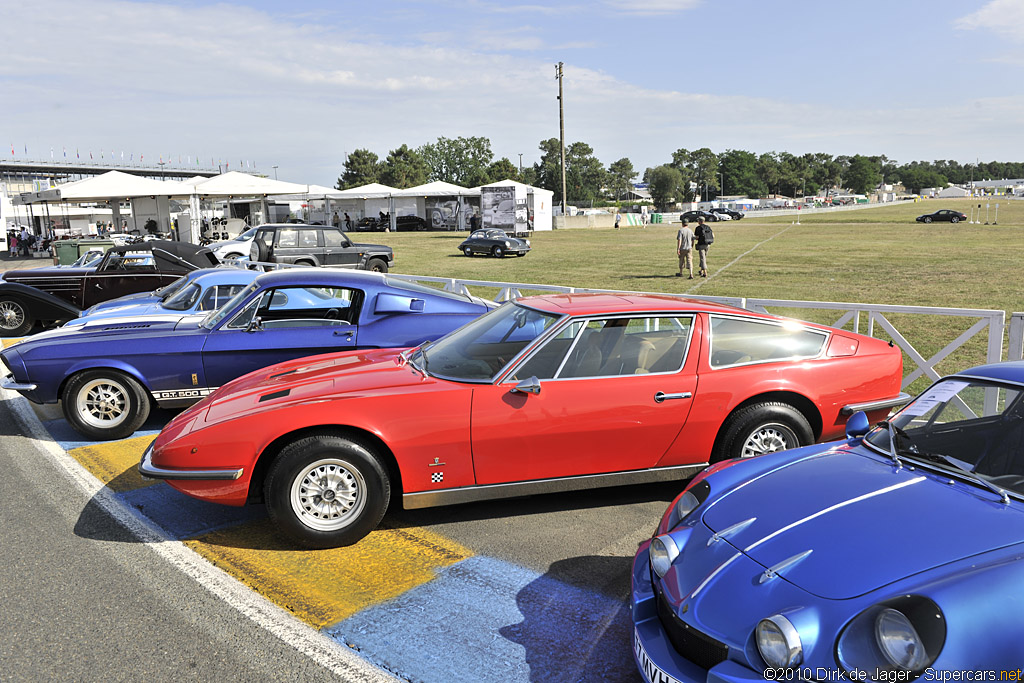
<point>103,403</point>
<point>328,494</point>
<point>12,315</point>
<point>768,439</point>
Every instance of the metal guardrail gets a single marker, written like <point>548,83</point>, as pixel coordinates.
<point>851,313</point>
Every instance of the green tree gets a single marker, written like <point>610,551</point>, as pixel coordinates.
<point>361,167</point>
<point>584,174</point>
<point>739,171</point>
<point>863,175</point>
<point>463,161</point>
<point>620,177</point>
<point>502,169</point>
<point>665,184</point>
<point>404,168</point>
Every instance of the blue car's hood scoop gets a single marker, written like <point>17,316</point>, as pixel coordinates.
<point>865,524</point>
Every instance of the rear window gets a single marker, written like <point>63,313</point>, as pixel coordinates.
<point>736,341</point>
<point>423,289</point>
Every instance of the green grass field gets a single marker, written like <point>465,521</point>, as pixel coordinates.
<point>875,255</point>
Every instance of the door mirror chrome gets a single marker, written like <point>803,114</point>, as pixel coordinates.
<point>858,425</point>
<point>255,325</point>
<point>527,386</point>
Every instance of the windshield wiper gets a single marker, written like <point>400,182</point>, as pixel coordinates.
<point>419,351</point>
<point>965,467</point>
<point>892,430</point>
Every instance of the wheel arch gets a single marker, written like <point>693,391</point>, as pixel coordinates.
<point>123,368</point>
<point>798,401</point>
<point>361,436</point>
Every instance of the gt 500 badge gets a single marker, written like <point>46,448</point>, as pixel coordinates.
<point>181,393</point>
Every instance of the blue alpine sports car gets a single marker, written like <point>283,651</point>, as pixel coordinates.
<point>107,371</point>
<point>894,555</point>
<point>200,291</point>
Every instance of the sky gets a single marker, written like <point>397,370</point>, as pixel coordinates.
<point>300,84</point>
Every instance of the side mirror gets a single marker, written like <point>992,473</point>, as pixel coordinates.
<point>255,325</point>
<point>527,386</point>
<point>858,425</point>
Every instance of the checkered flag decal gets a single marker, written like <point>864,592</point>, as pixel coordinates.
<point>437,477</point>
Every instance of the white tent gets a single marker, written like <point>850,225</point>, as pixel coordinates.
<point>368,191</point>
<point>538,201</point>
<point>111,185</point>
<point>238,184</point>
<point>438,188</point>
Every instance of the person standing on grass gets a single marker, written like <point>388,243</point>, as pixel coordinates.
<point>684,247</point>
<point>705,236</point>
<point>618,217</point>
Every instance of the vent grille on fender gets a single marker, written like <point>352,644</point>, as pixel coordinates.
<point>127,326</point>
<point>276,394</point>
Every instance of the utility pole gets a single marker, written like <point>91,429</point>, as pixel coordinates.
<point>520,165</point>
<point>561,128</point>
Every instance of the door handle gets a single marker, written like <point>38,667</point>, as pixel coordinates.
<point>662,396</point>
<point>339,333</point>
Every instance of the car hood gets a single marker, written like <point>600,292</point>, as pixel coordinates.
<point>117,325</point>
<point>865,523</point>
<point>345,374</point>
<point>126,309</point>
<point>49,271</point>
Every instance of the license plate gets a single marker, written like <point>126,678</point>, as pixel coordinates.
<point>651,671</point>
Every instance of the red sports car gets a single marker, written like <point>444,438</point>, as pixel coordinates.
<point>544,394</point>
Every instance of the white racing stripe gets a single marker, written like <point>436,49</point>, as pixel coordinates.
<point>268,616</point>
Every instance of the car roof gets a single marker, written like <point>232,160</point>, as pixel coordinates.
<point>317,277</point>
<point>596,303</point>
<point>215,276</point>
<point>1008,371</point>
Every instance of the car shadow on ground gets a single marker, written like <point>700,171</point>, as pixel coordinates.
<point>575,622</point>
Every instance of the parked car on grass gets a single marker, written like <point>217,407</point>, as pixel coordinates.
<point>494,242</point>
<point>947,215</point>
<point>692,216</point>
<point>55,294</point>
<point>317,245</point>
<point>544,394</point>
<point>106,372</point>
<point>734,215</point>
<point>750,568</point>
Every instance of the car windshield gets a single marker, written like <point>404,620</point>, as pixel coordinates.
<point>248,234</point>
<point>184,298</point>
<point>479,350</point>
<point>169,290</point>
<point>962,424</point>
<point>424,289</point>
<point>213,318</point>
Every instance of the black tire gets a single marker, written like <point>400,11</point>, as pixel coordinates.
<point>468,251</point>
<point>954,219</point>
<point>232,256</point>
<point>15,318</point>
<point>927,219</point>
<point>104,404</point>
<point>498,252</point>
<point>762,428</point>
<point>305,486</point>
<point>376,265</point>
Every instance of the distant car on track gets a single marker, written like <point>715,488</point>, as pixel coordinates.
<point>734,215</point>
<point>494,242</point>
<point>106,372</point>
<point>544,394</point>
<point>692,216</point>
<point>749,567</point>
<point>947,215</point>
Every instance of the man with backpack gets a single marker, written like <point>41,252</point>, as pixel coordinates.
<point>705,236</point>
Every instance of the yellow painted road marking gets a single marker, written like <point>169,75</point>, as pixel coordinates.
<point>115,463</point>
<point>323,587</point>
<point>10,341</point>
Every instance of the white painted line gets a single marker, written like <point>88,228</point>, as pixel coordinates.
<point>712,276</point>
<point>323,650</point>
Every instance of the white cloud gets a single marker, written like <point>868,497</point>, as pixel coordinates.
<point>1004,17</point>
<point>651,7</point>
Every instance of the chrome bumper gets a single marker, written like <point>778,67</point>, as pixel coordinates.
<point>9,382</point>
<point>868,406</point>
<point>150,471</point>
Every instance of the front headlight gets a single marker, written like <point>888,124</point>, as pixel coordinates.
<point>508,245</point>
<point>527,242</point>
<point>779,643</point>
<point>899,642</point>
<point>663,552</point>
<point>686,503</point>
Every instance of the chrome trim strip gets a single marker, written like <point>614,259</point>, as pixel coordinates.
<point>470,494</point>
<point>9,382</point>
<point>150,471</point>
<point>774,570</point>
<point>866,406</point>
<point>724,534</point>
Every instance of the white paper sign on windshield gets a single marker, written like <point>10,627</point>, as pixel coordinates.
<point>940,393</point>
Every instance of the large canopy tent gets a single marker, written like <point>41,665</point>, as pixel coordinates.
<point>234,184</point>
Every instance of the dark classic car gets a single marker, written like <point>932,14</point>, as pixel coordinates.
<point>947,215</point>
<point>494,242</point>
<point>317,245</point>
<point>50,295</point>
<point>402,224</point>
<point>734,215</point>
<point>107,371</point>
<point>692,216</point>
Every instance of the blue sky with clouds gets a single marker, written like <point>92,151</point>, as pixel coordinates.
<point>301,84</point>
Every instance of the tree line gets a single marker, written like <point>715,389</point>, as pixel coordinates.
<point>688,176</point>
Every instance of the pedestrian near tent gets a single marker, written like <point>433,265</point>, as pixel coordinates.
<point>618,217</point>
<point>348,222</point>
<point>335,221</point>
<point>705,237</point>
<point>684,247</point>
